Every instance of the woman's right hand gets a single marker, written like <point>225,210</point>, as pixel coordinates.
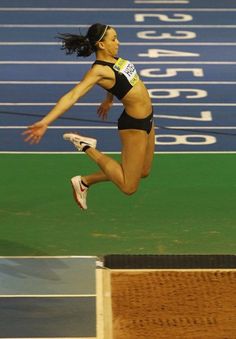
<point>35,132</point>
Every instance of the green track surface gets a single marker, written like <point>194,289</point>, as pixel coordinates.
<point>187,205</point>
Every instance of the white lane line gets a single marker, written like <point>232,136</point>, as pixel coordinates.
<point>116,104</point>
<point>146,63</point>
<point>47,257</point>
<point>137,270</point>
<point>115,26</point>
<point>194,104</point>
<point>52,152</point>
<point>201,127</point>
<point>114,127</point>
<point>94,9</point>
<point>64,127</point>
<point>47,295</point>
<point>157,152</point>
<point>48,104</point>
<point>37,43</point>
<point>161,1</point>
<point>29,82</point>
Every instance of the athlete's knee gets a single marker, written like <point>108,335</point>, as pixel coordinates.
<point>129,189</point>
<point>145,173</point>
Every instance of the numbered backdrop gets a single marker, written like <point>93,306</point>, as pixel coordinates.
<point>183,50</point>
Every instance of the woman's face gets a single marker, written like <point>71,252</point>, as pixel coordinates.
<point>111,42</point>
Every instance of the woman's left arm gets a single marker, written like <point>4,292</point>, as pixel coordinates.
<point>105,106</point>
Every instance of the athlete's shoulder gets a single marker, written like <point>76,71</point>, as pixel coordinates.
<point>100,68</point>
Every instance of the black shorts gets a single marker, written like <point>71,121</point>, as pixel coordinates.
<point>125,121</point>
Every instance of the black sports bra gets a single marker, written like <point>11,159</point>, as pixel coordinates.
<point>126,76</point>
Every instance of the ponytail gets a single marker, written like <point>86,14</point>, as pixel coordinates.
<point>78,44</point>
<point>83,45</point>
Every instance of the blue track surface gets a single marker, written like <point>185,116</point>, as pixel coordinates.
<point>184,50</point>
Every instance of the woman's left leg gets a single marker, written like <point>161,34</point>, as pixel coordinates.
<point>127,174</point>
<point>101,176</point>
<point>149,154</point>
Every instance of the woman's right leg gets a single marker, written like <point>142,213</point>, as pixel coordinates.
<point>94,178</point>
<point>111,170</point>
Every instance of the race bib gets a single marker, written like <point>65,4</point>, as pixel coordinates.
<point>128,70</point>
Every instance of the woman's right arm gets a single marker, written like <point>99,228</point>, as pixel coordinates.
<point>35,132</point>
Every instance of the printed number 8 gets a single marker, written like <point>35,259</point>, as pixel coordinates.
<point>184,139</point>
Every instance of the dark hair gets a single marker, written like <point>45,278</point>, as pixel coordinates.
<point>83,45</point>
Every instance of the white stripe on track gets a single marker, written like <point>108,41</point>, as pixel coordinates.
<point>93,9</point>
<point>78,153</point>
<point>15,104</point>
<point>28,82</point>
<point>65,127</point>
<point>38,43</point>
<point>39,257</point>
<point>47,295</point>
<point>115,26</point>
<point>146,63</point>
<point>114,127</point>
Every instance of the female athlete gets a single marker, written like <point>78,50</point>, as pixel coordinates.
<point>119,78</point>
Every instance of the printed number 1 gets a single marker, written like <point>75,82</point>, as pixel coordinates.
<point>204,116</point>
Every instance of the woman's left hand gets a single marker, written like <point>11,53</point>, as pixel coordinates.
<point>103,109</point>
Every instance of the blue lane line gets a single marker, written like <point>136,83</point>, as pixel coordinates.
<point>11,140</point>
<point>166,140</point>
<point>139,53</point>
<point>82,113</point>
<point>73,17</point>
<point>74,72</point>
<point>160,93</point>
<point>121,3</point>
<point>165,116</point>
<point>125,35</point>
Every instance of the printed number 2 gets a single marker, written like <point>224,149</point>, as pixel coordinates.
<point>163,17</point>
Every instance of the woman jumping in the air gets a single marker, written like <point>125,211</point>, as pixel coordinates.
<point>118,77</point>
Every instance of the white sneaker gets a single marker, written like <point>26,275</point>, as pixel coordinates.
<point>80,141</point>
<point>80,192</point>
